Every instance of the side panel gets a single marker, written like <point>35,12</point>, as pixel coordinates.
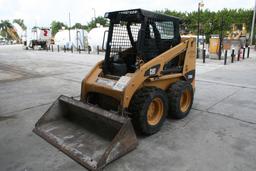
<point>89,84</point>
<point>190,62</point>
<point>139,77</point>
<point>89,78</point>
<point>162,83</point>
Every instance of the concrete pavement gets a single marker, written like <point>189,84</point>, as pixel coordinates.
<point>218,134</point>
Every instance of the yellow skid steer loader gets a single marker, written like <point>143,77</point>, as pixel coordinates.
<point>148,73</point>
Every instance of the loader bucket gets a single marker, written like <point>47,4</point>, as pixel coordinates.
<point>90,135</point>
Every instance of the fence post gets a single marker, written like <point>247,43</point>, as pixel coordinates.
<point>225,57</point>
<point>98,50</point>
<point>58,48</point>
<point>238,55</point>
<point>64,48</point>
<point>248,52</point>
<point>79,49</point>
<point>52,48</point>
<point>232,55</point>
<point>243,52</point>
<point>204,50</point>
<point>71,49</point>
<point>89,49</point>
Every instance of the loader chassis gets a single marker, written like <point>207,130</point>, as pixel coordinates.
<point>148,73</point>
<point>136,37</point>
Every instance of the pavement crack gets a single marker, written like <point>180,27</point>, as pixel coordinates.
<point>226,83</point>
<point>25,77</point>
<point>8,113</point>
<point>66,79</point>
<point>3,118</point>
<point>226,97</point>
<point>226,116</point>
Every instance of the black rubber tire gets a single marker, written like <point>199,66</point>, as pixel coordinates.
<point>174,95</point>
<point>44,46</point>
<point>139,106</point>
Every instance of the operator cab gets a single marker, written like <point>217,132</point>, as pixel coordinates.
<point>137,36</point>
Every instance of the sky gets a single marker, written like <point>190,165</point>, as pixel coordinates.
<point>42,13</point>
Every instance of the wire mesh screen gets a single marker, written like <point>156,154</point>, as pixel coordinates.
<point>166,29</point>
<point>158,38</point>
<point>120,38</point>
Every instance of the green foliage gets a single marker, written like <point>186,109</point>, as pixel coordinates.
<point>92,24</point>
<point>78,26</point>
<point>210,21</point>
<point>56,26</point>
<point>4,25</point>
<point>21,23</point>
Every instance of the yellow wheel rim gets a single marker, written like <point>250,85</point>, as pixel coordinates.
<point>155,111</point>
<point>185,100</point>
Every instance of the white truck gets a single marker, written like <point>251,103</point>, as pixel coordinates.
<point>38,37</point>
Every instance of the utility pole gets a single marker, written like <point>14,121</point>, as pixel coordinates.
<point>253,23</point>
<point>94,13</point>
<point>69,27</point>
<point>198,30</point>
<point>221,36</point>
<point>200,4</point>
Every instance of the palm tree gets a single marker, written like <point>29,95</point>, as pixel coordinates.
<point>4,26</point>
<point>21,23</point>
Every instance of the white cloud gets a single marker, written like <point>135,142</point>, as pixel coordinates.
<point>43,12</point>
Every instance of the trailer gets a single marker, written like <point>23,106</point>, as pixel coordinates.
<point>38,37</point>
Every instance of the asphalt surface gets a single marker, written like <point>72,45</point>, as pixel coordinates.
<point>218,134</point>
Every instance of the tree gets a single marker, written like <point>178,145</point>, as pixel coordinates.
<point>56,26</point>
<point>21,23</point>
<point>92,24</point>
<point>210,21</point>
<point>4,26</point>
<point>78,26</point>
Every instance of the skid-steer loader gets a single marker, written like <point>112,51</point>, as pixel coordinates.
<point>148,72</point>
